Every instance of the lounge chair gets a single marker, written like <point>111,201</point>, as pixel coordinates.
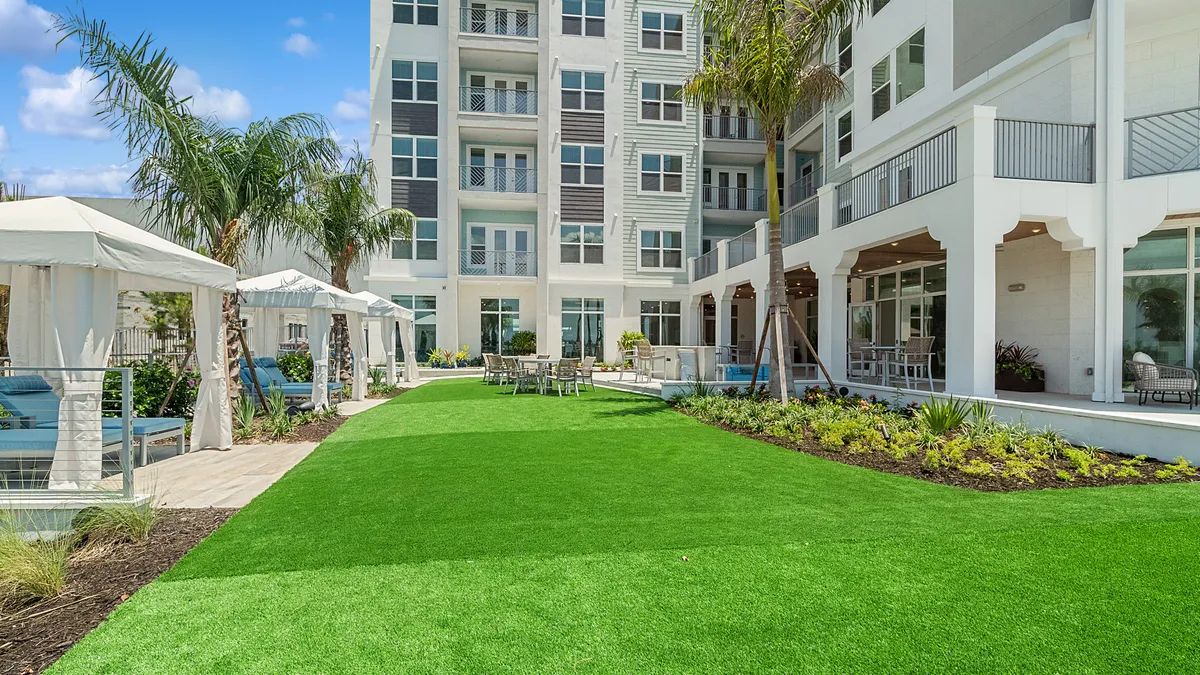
<point>35,444</point>
<point>1154,382</point>
<point>32,398</point>
<point>269,375</point>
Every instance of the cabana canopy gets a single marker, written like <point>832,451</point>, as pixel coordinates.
<point>385,309</point>
<point>65,263</point>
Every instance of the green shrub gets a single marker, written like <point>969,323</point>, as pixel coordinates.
<point>117,523</point>
<point>978,468</point>
<point>297,366</point>
<point>1180,469</point>
<point>1066,476</point>
<point>150,382</point>
<point>942,416</point>
<point>1081,461</point>
<point>524,342</point>
<point>30,570</point>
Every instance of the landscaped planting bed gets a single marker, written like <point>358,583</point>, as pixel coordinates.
<point>944,441</point>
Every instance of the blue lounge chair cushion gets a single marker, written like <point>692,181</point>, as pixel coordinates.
<point>23,384</point>
<point>142,426</point>
<point>28,396</point>
<point>43,439</point>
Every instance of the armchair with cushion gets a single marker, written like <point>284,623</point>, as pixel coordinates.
<point>1154,382</point>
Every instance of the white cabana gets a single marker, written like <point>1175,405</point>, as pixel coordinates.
<point>65,263</point>
<point>389,314</point>
<point>295,290</point>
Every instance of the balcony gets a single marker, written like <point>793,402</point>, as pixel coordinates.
<point>916,172</point>
<point>482,263</point>
<point>732,128</point>
<point>498,22</point>
<point>1046,151</point>
<point>497,101</point>
<point>705,266</point>
<point>800,222</point>
<point>806,187</point>
<point>498,179</point>
<point>743,248</point>
<point>802,115</point>
<point>735,199</point>
<point>1163,144</point>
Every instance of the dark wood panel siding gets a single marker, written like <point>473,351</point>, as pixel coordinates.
<point>415,119</point>
<point>582,127</point>
<point>418,196</point>
<point>582,204</point>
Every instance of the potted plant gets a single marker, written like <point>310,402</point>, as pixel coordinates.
<point>462,357</point>
<point>1017,368</point>
<point>524,342</point>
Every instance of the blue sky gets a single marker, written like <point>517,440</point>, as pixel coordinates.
<point>241,60</point>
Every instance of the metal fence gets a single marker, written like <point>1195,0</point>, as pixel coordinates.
<point>800,222</point>
<point>480,263</point>
<point>1163,143</point>
<point>743,248</point>
<point>498,179</point>
<point>802,114</point>
<point>131,345</point>
<point>705,266</point>
<point>732,127</point>
<point>805,186</point>
<point>499,101</point>
<point>734,198</point>
<point>918,171</point>
<point>504,22</point>
<point>1047,151</point>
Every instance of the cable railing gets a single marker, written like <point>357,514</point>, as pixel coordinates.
<point>475,262</point>
<point>734,198</point>
<point>499,101</point>
<point>743,248</point>
<point>1048,151</point>
<point>916,172</point>
<point>1163,143</point>
<point>732,127</point>
<point>800,222</point>
<point>805,187</point>
<point>705,266</point>
<point>502,22</point>
<point>498,179</point>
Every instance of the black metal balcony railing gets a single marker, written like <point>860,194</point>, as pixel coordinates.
<point>497,179</point>
<point>503,22</point>
<point>1046,151</point>
<point>1163,143</point>
<point>743,248</point>
<point>705,266</point>
<point>805,187</point>
<point>800,222</point>
<point>918,171</point>
<point>732,128</point>
<point>734,198</point>
<point>482,263</point>
<point>500,101</point>
<point>802,115</point>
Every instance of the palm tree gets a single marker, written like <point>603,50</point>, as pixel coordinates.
<point>768,55</point>
<point>342,227</point>
<point>216,189</point>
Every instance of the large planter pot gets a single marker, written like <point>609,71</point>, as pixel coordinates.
<point>1007,380</point>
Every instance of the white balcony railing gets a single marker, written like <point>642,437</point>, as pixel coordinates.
<point>734,128</point>
<point>500,22</point>
<point>734,198</point>
<point>498,101</point>
<point>483,263</point>
<point>498,179</point>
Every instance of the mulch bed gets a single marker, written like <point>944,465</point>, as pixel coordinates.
<point>393,394</point>
<point>912,466</point>
<point>34,637</point>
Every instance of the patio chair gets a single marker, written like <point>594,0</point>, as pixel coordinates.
<point>565,376</point>
<point>915,360</point>
<point>493,368</point>
<point>32,398</point>
<point>585,371</point>
<point>515,375</point>
<point>860,354</point>
<point>644,360</point>
<point>745,351</point>
<point>1154,382</point>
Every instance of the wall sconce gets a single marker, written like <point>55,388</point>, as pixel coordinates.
<point>1016,288</point>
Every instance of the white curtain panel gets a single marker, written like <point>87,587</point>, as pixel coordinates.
<point>83,306</point>
<point>358,350</point>
<point>319,322</point>
<point>29,331</point>
<point>212,424</point>
<point>389,348</point>
<point>408,336</point>
<point>266,332</point>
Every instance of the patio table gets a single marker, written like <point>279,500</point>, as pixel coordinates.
<point>542,366</point>
<point>882,355</point>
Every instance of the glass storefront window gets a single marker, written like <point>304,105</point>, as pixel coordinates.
<point>1159,250</point>
<point>583,328</point>
<point>910,282</point>
<point>935,278</point>
<point>1155,317</point>
<point>887,286</point>
<point>869,289</point>
<point>499,318</point>
<point>424,324</point>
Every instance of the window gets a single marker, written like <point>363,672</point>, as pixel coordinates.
<point>499,318</point>
<point>582,91</point>
<point>582,243</point>
<point>414,157</point>
<point>423,245</point>
<point>583,165</point>
<point>662,173</point>
<point>877,5</point>
<point>661,249</point>
<point>661,321</point>
<point>662,31</point>
<point>910,66</point>
<point>424,309</point>
<point>583,328</point>
<point>426,12</point>
<point>583,17</point>
<point>414,81</point>
<point>845,50</point>
<point>663,102</point>
<point>881,88</point>
<point>845,134</point>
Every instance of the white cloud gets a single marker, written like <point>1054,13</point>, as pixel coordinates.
<point>61,105</point>
<point>95,181</point>
<point>227,105</point>
<point>354,107</point>
<point>301,44</point>
<point>295,22</point>
<point>3,142</point>
<point>24,29</point>
<point>347,140</point>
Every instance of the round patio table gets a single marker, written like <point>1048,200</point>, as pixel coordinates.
<point>883,355</point>
<point>543,366</point>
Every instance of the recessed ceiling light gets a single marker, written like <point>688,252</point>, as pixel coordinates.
<point>895,243</point>
<point>1035,230</point>
<point>899,261</point>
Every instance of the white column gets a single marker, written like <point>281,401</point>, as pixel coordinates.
<point>693,325</point>
<point>724,302</point>
<point>832,319</point>
<point>971,315</point>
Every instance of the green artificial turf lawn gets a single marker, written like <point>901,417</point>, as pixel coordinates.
<point>458,530</point>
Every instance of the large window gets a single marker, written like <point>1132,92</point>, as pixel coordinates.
<point>661,321</point>
<point>845,134</point>
<point>415,81</point>
<point>582,244</point>
<point>662,31</point>
<point>414,157</point>
<point>662,173</point>
<point>662,102</point>
<point>845,59</point>
<point>499,318</point>
<point>583,328</point>
<point>910,66</point>
<point>908,303</point>
<point>583,17</point>
<point>1160,296</point>
<point>420,12</point>
<point>582,90</point>
<point>424,309</point>
<point>423,245</point>
<point>881,88</point>
<point>583,165</point>
<point>877,5</point>
<point>661,249</point>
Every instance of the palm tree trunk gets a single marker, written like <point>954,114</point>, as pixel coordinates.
<point>781,358</point>
<point>340,276</point>
<point>232,316</point>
